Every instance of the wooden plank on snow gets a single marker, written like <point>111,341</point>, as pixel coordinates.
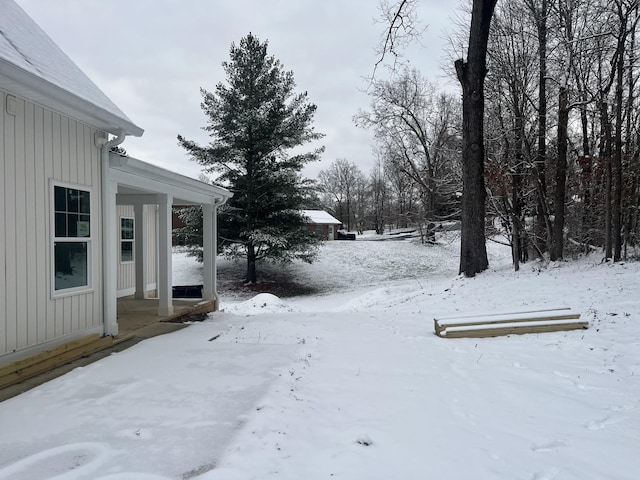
<point>497,324</point>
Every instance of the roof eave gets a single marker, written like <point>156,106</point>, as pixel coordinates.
<point>183,187</point>
<point>27,85</point>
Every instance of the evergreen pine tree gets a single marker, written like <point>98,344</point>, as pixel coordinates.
<point>254,120</point>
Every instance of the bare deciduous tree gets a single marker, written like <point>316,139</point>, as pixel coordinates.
<point>339,184</point>
<point>471,74</point>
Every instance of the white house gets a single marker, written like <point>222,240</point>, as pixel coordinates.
<point>79,225</point>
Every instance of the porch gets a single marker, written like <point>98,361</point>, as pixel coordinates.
<point>139,317</point>
<point>131,182</point>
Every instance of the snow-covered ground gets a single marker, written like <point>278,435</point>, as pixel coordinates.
<point>350,382</point>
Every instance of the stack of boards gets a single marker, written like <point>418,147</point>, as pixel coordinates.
<point>497,324</point>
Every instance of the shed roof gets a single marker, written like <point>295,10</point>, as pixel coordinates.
<point>33,66</point>
<point>320,217</point>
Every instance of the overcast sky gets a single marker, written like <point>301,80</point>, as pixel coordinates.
<point>152,56</point>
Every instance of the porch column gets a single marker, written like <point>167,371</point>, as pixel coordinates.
<point>140,256</point>
<point>109,259</point>
<point>165,272</point>
<point>209,247</point>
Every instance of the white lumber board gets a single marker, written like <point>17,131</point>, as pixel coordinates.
<point>532,310</point>
<point>523,325</point>
<point>508,317</point>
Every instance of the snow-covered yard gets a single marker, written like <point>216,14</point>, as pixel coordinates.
<point>350,382</point>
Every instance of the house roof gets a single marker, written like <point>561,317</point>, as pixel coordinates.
<point>34,67</point>
<point>320,217</point>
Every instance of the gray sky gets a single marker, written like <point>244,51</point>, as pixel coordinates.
<point>152,56</point>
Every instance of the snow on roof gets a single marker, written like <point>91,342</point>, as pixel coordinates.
<point>34,65</point>
<point>320,217</point>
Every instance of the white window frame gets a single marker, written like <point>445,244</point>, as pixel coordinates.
<point>131,240</point>
<point>88,240</point>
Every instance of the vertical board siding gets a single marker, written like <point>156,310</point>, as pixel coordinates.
<point>92,165</point>
<point>73,152</point>
<point>150,248</point>
<point>39,145</point>
<point>31,231</point>
<point>127,271</point>
<point>9,230</point>
<point>46,248</point>
<point>21,136</point>
<point>41,225</point>
<point>65,154</point>
<point>3,229</point>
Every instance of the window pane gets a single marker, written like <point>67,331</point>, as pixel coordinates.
<point>61,225</point>
<point>71,264</point>
<point>126,251</point>
<point>60,199</point>
<point>85,202</point>
<point>72,225</point>
<point>68,203</point>
<point>73,200</point>
<point>84,227</point>
<point>126,228</point>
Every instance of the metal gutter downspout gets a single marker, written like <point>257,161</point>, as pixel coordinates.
<point>109,190</point>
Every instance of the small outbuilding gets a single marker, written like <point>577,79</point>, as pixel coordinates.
<point>322,224</point>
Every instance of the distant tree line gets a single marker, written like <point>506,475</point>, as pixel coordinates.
<point>416,178</point>
<point>561,136</point>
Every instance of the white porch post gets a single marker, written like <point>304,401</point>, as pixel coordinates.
<point>140,241</point>
<point>164,251</point>
<point>109,259</point>
<point>209,244</point>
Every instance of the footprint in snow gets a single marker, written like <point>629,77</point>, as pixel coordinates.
<point>600,424</point>
<point>548,475</point>
<point>71,461</point>
<point>364,440</point>
<point>548,447</point>
<point>622,408</point>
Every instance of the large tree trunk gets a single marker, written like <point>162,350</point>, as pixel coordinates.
<point>515,221</point>
<point>471,74</point>
<point>616,224</point>
<point>557,244</point>
<point>631,199</point>
<point>251,276</point>
<point>519,231</point>
<point>634,200</point>
<point>585,176</point>
<point>543,224</point>
<point>605,155</point>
